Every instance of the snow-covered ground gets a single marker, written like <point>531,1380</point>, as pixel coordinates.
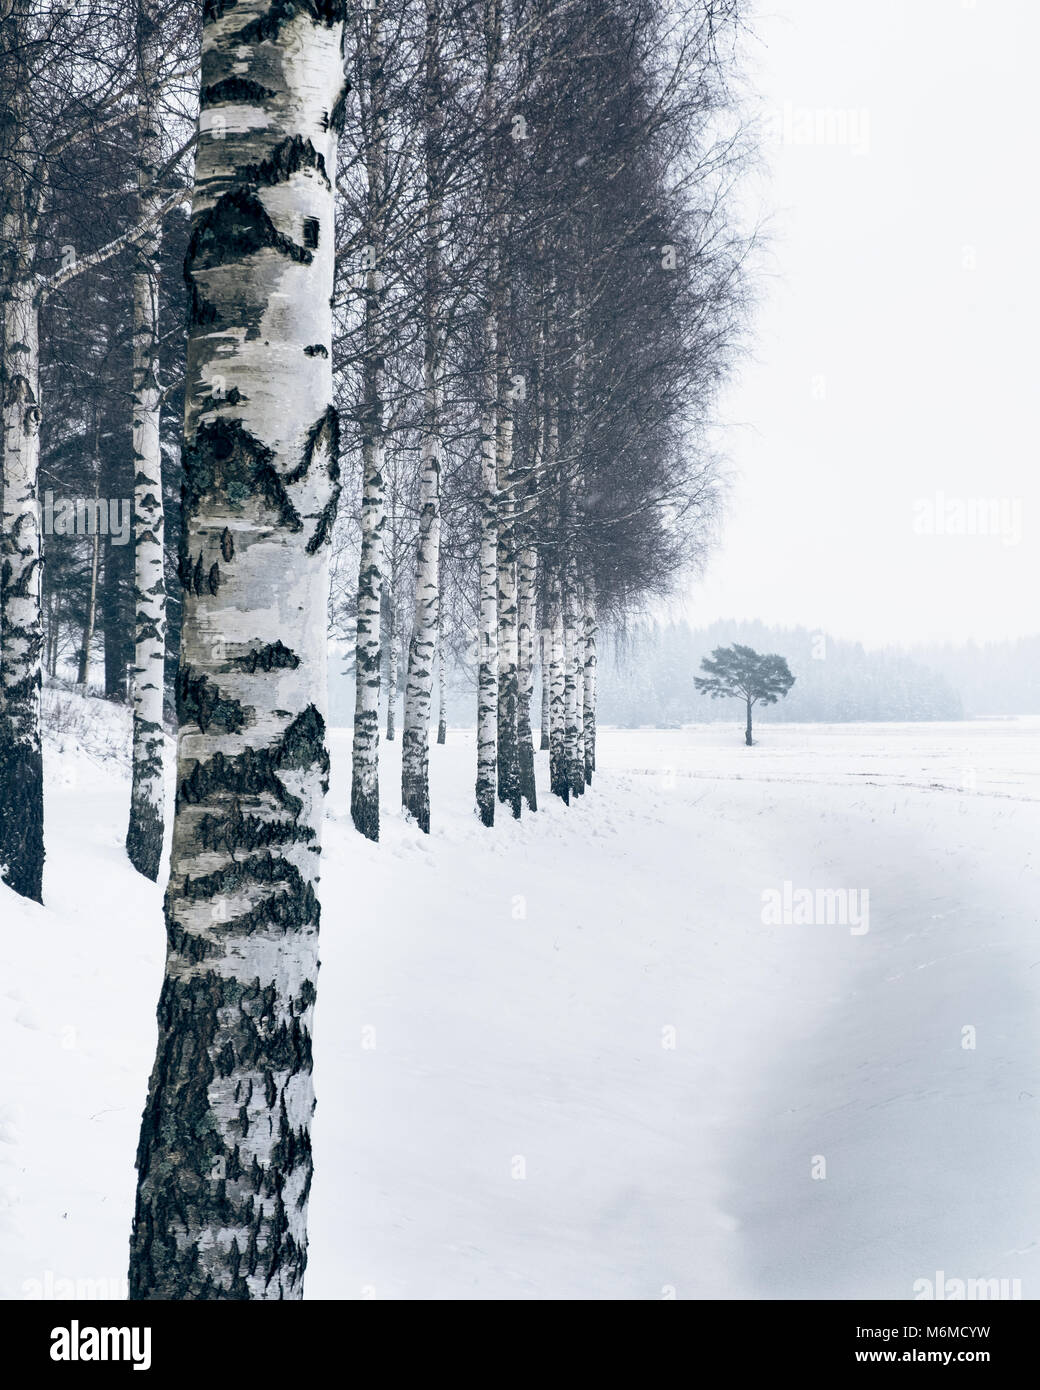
<point>584,1056</point>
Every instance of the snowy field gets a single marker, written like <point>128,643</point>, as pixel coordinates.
<point>585,1056</point>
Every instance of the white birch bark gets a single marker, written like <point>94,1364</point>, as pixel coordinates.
<point>224,1163</point>
<point>589,711</point>
<point>364,795</point>
<point>559,784</point>
<point>144,836</point>
<point>487,668</point>
<point>393,673</point>
<point>543,666</point>
<point>487,595</point>
<point>527,573</point>
<point>442,693</point>
<point>508,750</point>
<point>572,656</point>
<point>21,614</point>
<point>422,649</point>
<point>83,674</point>
<point>21,550</point>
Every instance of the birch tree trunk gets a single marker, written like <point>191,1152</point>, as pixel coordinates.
<point>487,593</point>
<point>144,836</point>
<point>573,658</point>
<point>364,794</point>
<point>442,690</point>
<point>224,1163</point>
<point>559,784</point>
<point>393,675</point>
<point>508,753</point>
<point>418,696</point>
<point>527,571</point>
<point>543,666</point>
<point>487,668</point>
<point>21,551</point>
<point>21,614</point>
<point>83,673</point>
<point>589,720</point>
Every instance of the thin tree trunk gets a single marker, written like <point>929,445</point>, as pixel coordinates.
<point>527,566</point>
<point>508,751</point>
<point>144,836</point>
<point>487,630</point>
<point>393,675</point>
<point>83,672</point>
<point>364,794</point>
<point>543,665</point>
<point>590,680</point>
<point>418,698</point>
<point>747,728</point>
<point>487,661</point>
<point>224,1163</point>
<point>572,694</point>
<point>51,658</point>
<point>559,783</point>
<point>442,691</point>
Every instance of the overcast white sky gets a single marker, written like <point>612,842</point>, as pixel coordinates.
<point>896,347</point>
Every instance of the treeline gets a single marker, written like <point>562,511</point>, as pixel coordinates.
<point>992,678</point>
<point>646,677</point>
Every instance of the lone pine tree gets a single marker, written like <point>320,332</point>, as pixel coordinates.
<point>224,1162</point>
<point>741,673</point>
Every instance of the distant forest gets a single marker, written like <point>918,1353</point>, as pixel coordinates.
<point>646,676</point>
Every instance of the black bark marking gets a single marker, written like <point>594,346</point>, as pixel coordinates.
<point>268,26</point>
<point>227,462</point>
<point>200,702</point>
<point>274,656</point>
<point>290,156</point>
<point>237,226</point>
<point>235,89</point>
<point>324,434</point>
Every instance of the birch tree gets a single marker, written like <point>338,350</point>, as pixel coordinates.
<point>487,580</point>
<point>144,837</point>
<point>589,689</point>
<point>364,796</point>
<point>21,616</point>
<point>422,649</point>
<point>58,89</point>
<point>224,1162</point>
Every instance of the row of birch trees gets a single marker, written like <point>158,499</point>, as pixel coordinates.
<point>542,286</point>
<point>539,285</point>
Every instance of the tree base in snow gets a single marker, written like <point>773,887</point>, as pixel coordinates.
<point>528,789</point>
<point>415,798</point>
<point>144,838</point>
<point>486,804</point>
<point>364,811</point>
<point>21,820</point>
